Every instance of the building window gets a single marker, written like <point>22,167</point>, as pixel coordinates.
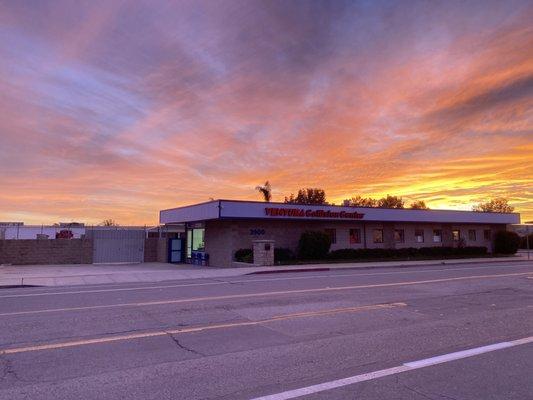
<point>195,240</point>
<point>419,235</point>
<point>437,236</point>
<point>487,234</point>
<point>355,236</point>
<point>456,235</point>
<point>332,233</point>
<point>399,236</point>
<point>198,243</point>
<point>472,235</point>
<point>378,235</point>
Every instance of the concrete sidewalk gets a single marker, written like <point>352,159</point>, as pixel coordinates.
<point>89,274</point>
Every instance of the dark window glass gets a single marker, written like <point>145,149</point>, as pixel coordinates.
<point>355,236</point>
<point>437,236</point>
<point>486,234</point>
<point>378,235</point>
<point>472,235</point>
<point>332,235</point>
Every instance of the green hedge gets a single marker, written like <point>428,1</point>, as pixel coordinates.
<point>313,245</point>
<point>283,254</point>
<point>354,254</point>
<point>506,242</point>
<point>244,255</point>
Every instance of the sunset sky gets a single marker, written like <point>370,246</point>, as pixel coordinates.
<point>117,109</point>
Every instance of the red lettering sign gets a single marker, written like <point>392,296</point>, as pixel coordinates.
<point>299,213</point>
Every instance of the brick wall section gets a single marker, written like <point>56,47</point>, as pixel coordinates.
<point>162,250</point>
<point>150,249</point>
<point>51,251</point>
<point>156,250</point>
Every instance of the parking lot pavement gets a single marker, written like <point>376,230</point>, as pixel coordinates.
<point>91,274</point>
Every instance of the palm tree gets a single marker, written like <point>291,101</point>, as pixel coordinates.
<point>265,190</point>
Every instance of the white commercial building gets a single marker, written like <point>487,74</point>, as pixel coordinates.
<point>218,228</point>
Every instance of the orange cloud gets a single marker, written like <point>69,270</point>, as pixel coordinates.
<point>129,110</point>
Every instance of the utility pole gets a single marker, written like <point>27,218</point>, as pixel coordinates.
<point>527,240</point>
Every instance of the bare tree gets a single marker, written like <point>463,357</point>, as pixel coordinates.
<point>265,190</point>
<point>498,204</point>
<point>109,222</point>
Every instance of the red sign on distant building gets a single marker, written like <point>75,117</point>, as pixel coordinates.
<point>301,213</point>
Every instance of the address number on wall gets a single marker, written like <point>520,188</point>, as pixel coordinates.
<point>256,232</point>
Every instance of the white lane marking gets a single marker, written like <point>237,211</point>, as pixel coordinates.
<point>112,290</point>
<point>410,366</point>
<point>229,282</point>
<point>291,394</point>
<point>426,362</point>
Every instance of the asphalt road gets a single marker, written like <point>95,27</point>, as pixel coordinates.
<point>372,334</point>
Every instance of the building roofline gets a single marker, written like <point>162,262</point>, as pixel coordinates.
<point>341,206</point>
<point>196,204</point>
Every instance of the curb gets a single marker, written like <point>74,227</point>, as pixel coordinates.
<point>445,262</point>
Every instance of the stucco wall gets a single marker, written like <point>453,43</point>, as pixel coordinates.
<point>224,237</point>
<point>47,251</point>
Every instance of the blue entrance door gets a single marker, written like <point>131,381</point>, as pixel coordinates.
<point>176,251</point>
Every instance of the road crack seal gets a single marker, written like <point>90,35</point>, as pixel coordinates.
<point>9,370</point>
<point>175,340</point>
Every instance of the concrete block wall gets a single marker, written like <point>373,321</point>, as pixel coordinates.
<point>46,251</point>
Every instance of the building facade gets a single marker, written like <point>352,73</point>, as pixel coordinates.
<point>221,227</point>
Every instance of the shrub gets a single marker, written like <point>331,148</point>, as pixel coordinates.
<point>355,254</point>
<point>244,255</point>
<point>313,245</point>
<point>471,251</point>
<point>283,254</point>
<point>506,242</point>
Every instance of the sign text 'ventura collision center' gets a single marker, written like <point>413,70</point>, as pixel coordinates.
<point>301,213</point>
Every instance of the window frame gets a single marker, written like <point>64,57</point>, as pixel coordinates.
<point>472,238</point>
<point>458,235</point>
<point>357,237</point>
<point>374,235</point>
<point>401,236</point>
<point>439,236</point>
<point>422,235</point>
